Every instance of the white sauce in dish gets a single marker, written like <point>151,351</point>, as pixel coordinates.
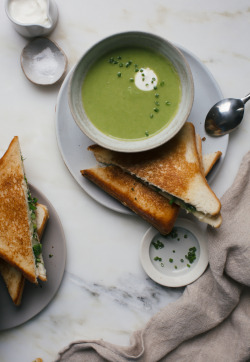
<point>30,12</point>
<point>146,79</point>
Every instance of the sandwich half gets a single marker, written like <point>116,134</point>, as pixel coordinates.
<point>13,278</point>
<point>19,242</point>
<point>131,192</point>
<point>141,199</point>
<point>174,170</point>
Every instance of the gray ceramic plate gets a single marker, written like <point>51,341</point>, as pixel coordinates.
<point>73,143</point>
<point>37,297</point>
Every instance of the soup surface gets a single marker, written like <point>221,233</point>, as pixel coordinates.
<point>131,93</point>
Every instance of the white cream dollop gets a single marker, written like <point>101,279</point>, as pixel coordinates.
<point>146,79</point>
<point>30,11</point>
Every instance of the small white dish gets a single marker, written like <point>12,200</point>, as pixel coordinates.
<point>43,61</point>
<point>30,30</point>
<point>164,258</point>
<point>139,40</point>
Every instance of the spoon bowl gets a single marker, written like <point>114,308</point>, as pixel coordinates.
<point>43,61</point>
<point>225,116</point>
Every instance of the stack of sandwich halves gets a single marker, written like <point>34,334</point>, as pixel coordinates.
<point>155,184</point>
<point>22,222</point>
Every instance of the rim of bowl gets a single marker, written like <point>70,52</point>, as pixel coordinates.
<point>105,45</point>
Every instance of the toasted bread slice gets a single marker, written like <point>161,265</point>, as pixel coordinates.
<point>15,220</point>
<point>12,277</point>
<point>144,201</point>
<point>173,169</point>
<point>19,242</point>
<point>210,160</point>
<point>199,150</point>
<point>42,216</point>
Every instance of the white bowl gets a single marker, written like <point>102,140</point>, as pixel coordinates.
<point>131,39</point>
<point>168,265</point>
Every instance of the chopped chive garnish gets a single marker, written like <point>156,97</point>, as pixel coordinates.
<point>156,110</point>
<point>171,260</point>
<point>191,256</point>
<point>157,258</point>
<point>157,95</point>
<point>158,244</point>
<point>119,74</point>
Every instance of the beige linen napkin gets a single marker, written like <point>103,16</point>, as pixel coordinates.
<point>211,320</point>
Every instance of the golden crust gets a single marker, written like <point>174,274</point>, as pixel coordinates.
<point>12,277</point>
<point>145,202</point>
<point>15,236</point>
<point>42,216</point>
<point>210,160</point>
<point>14,281</point>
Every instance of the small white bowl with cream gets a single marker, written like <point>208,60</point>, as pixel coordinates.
<point>32,18</point>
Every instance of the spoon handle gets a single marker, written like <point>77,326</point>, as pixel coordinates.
<point>246,98</point>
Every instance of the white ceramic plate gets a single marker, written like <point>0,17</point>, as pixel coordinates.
<point>37,297</point>
<point>163,257</point>
<point>73,143</point>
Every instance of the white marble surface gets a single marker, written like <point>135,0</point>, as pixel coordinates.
<point>105,293</point>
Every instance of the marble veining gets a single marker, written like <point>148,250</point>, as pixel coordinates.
<point>130,291</point>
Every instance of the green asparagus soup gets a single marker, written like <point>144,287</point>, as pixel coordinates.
<point>131,93</point>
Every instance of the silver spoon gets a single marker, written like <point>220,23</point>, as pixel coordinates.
<point>225,116</point>
<point>43,61</point>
